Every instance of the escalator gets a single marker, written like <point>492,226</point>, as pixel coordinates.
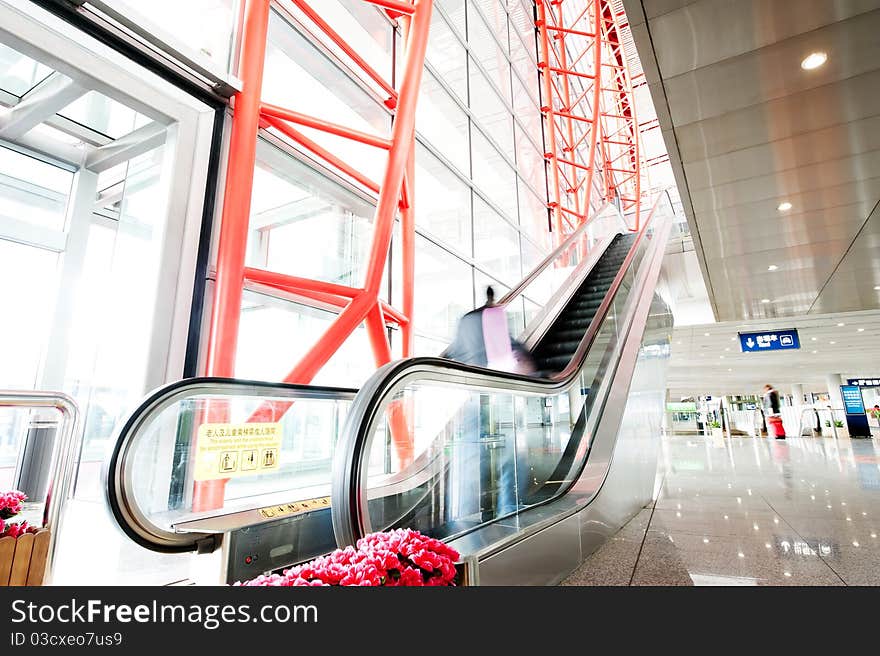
<point>495,453</point>
<point>558,345</point>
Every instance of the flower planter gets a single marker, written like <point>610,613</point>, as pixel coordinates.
<point>23,558</point>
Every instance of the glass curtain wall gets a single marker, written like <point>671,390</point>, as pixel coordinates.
<point>481,195</point>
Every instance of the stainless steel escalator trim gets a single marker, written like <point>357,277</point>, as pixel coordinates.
<point>118,467</point>
<point>349,496</point>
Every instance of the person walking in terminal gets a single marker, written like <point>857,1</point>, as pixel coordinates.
<point>773,412</point>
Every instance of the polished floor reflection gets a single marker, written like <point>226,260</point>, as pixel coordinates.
<point>752,511</point>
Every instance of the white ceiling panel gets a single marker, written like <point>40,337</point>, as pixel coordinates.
<point>748,25</point>
<point>768,158</point>
<point>773,71</point>
<point>748,129</point>
<point>821,107</point>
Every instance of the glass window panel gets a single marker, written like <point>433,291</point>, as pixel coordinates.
<point>202,26</point>
<point>299,77</point>
<point>529,162</point>
<point>532,256</point>
<point>445,206</point>
<point>364,28</point>
<point>32,191</point>
<point>31,301</point>
<point>488,53</point>
<point>493,176</point>
<point>275,334</point>
<point>525,65</point>
<point>496,244</point>
<point>442,123</point>
<point>534,217</point>
<point>425,346</point>
<point>522,24</point>
<point>304,224</point>
<point>443,290</point>
<point>100,113</point>
<point>455,11</point>
<point>490,112</point>
<point>112,325</point>
<point>19,73</point>
<point>447,56</point>
<point>527,113</point>
<point>495,17</point>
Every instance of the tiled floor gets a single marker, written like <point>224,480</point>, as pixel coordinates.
<point>755,511</point>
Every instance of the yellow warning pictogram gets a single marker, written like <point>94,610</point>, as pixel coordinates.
<point>231,450</point>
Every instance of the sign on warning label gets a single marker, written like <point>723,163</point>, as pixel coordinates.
<point>230,450</point>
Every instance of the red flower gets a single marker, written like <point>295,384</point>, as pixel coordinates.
<point>401,557</point>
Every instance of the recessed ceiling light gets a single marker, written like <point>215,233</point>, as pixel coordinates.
<point>877,288</point>
<point>814,338</point>
<point>832,342</point>
<point>772,267</point>
<point>705,334</point>
<point>815,351</point>
<point>841,325</point>
<point>784,207</point>
<point>813,60</point>
<point>730,369</point>
<point>765,300</point>
<point>861,330</point>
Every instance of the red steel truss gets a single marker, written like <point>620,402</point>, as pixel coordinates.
<point>591,128</point>
<point>589,117</point>
<point>394,196</point>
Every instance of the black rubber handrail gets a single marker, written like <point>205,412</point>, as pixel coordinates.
<point>118,491</point>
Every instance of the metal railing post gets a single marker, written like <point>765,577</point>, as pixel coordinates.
<point>63,465</point>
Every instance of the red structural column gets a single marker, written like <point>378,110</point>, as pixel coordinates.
<point>226,310</point>
<point>408,248</point>
<point>550,119</point>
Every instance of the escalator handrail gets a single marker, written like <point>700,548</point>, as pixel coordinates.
<point>118,486</point>
<point>348,496</point>
<point>547,261</point>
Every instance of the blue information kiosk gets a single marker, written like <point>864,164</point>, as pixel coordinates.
<point>856,419</point>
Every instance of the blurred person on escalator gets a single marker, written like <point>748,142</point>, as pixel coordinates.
<point>482,338</point>
<point>483,475</point>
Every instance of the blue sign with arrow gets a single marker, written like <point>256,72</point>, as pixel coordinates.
<point>771,340</point>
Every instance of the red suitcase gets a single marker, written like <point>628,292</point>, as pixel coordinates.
<point>776,427</point>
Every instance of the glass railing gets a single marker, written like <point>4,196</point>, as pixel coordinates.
<point>544,289</point>
<point>205,456</point>
<point>486,445</point>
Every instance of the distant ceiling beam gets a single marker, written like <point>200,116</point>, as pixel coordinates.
<point>42,102</point>
<point>129,146</point>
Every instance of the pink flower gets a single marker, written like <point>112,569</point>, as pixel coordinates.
<point>400,557</point>
<point>11,503</point>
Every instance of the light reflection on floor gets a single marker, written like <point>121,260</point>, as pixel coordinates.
<point>752,511</point>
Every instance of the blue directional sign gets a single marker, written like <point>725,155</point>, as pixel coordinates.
<point>864,382</point>
<point>771,340</point>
